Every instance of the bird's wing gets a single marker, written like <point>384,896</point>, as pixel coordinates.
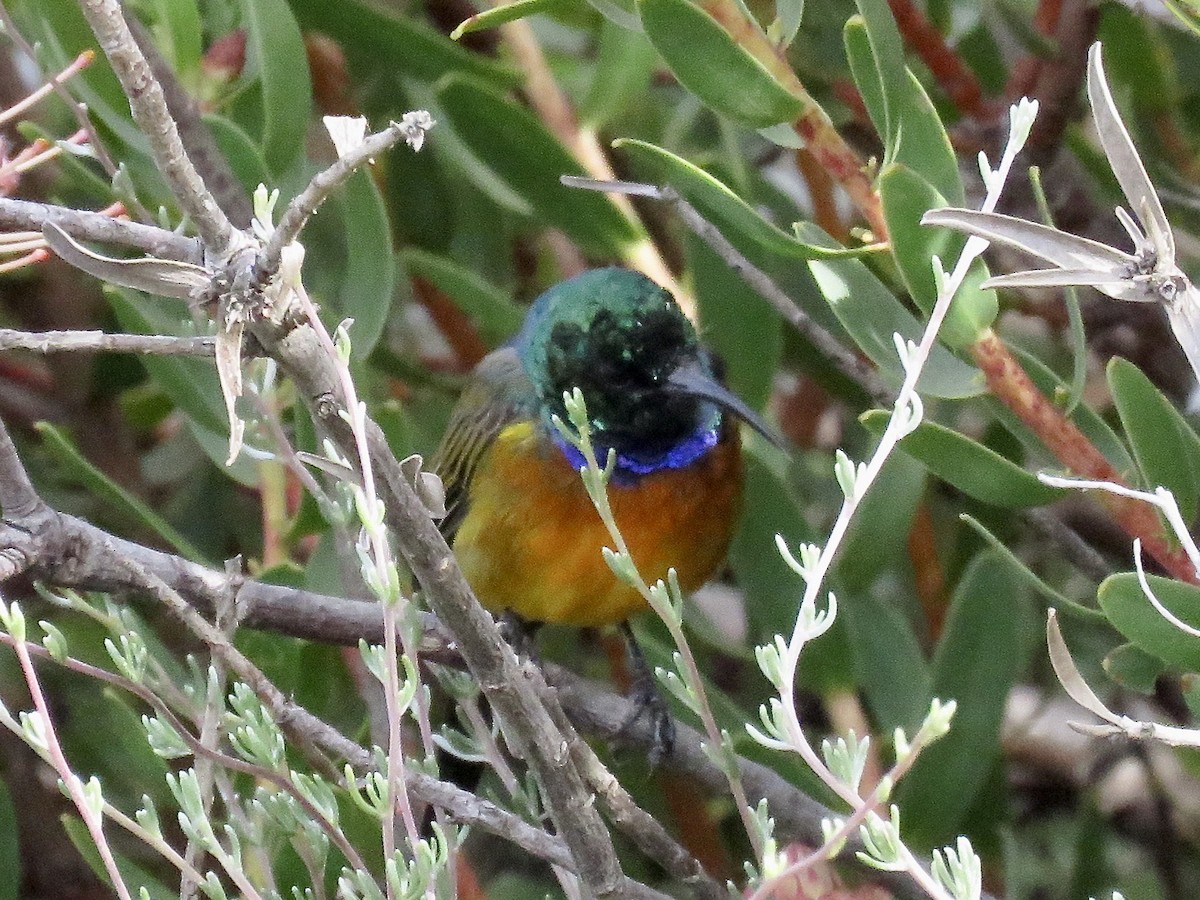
<point>499,393</point>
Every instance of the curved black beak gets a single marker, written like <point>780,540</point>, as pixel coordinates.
<point>691,379</point>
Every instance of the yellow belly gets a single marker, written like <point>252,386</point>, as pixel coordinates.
<point>531,540</point>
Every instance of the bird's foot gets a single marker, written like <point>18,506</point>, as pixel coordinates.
<point>647,701</point>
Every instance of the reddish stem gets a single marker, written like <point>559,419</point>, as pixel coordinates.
<point>955,76</point>
<point>1012,386</point>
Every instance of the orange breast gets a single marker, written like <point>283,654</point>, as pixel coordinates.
<point>531,540</point>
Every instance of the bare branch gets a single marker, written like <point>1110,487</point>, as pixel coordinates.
<point>69,552</point>
<point>218,177</point>
<point>150,112</point>
<point>411,128</point>
<point>26,215</point>
<point>92,341</point>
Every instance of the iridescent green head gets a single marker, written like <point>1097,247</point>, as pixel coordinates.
<point>650,388</point>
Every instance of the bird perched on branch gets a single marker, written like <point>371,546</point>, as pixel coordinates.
<point>520,521</point>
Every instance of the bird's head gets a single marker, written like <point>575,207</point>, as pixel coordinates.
<point>651,390</point>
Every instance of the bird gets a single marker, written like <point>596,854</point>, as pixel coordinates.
<point>518,517</point>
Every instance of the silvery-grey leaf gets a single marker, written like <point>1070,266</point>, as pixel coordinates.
<point>328,466</point>
<point>1184,315</point>
<point>167,278</point>
<point>1119,289</point>
<point>1068,251</point>
<point>1125,162</point>
<point>229,371</point>
<point>1068,674</point>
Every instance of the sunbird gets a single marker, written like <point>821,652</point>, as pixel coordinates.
<point>519,519</point>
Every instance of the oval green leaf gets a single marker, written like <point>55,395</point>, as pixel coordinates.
<point>967,465</point>
<point>1166,448</point>
<point>872,314</point>
<point>491,310</point>
<point>1130,612</point>
<point>713,66</point>
<point>370,279</point>
<point>736,219</point>
<point>275,54</point>
<point>514,143</point>
<point>499,15</point>
<point>906,196</point>
<point>1134,668</point>
<point>368,32</point>
<point>987,636</point>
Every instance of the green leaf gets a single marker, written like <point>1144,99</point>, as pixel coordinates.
<point>906,196</point>
<point>982,650</point>
<point>1166,448</point>
<point>515,144</point>
<point>1134,668</point>
<point>509,12</point>
<point>713,66</point>
<point>112,493</point>
<point>1130,612</point>
<point>370,32</point>
<point>370,279</point>
<point>875,52</point>
<point>740,326</point>
<point>872,314</point>
<point>1061,602</point>
<point>492,311</point>
<point>866,74</point>
<point>624,64</point>
<point>275,55</point>
<point>177,28</point>
<point>912,130</point>
<point>240,151</point>
<point>1135,66</point>
<point>889,662</point>
<point>741,225</point>
<point>192,384</point>
<point>968,465</point>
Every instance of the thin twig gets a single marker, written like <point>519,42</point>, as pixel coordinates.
<point>411,128</point>
<point>195,136</point>
<point>26,215</point>
<point>92,341</point>
<point>92,817</point>
<point>79,110</point>
<point>153,118</point>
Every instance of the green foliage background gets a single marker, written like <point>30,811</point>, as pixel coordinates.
<point>464,221</point>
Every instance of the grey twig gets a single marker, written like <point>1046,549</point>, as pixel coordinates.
<point>99,341</point>
<point>153,118</point>
<point>68,552</point>
<point>638,825</point>
<point>78,109</point>
<point>26,215</point>
<point>845,360</point>
<point>411,128</point>
<point>214,170</point>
